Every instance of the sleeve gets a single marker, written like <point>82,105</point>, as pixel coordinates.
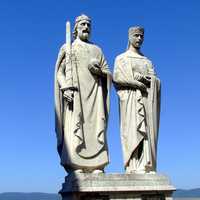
<point>119,79</point>
<point>103,64</point>
<point>123,75</point>
<point>151,70</point>
<point>115,72</point>
<point>64,75</point>
<point>120,76</point>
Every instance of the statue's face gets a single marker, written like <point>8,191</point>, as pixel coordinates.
<point>83,30</point>
<point>136,40</point>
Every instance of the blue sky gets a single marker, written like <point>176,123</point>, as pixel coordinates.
<point>31,33</point>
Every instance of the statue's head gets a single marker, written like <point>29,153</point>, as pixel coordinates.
<point>135,36</point>
<point>82,27</point>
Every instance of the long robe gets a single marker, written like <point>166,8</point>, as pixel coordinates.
<point>139,112</point>
<point>81,125</point>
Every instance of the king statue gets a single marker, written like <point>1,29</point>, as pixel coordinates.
<point>82,84</point>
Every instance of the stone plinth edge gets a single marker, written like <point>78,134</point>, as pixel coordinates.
<point>118,186</point>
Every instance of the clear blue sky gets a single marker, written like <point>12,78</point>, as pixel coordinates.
<point>31,33</point>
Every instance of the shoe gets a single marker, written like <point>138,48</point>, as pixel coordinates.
<point>98,171</point>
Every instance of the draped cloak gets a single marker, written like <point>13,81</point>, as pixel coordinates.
<point>81,125</point>
<point>139,112</point>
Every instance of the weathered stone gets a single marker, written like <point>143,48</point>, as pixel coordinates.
<point>138,89</point>
<point>82,84</point>
<point>116,186</point>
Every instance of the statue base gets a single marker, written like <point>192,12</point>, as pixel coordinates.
<point>116,187</point>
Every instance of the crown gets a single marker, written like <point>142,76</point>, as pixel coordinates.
<point>136,29</point>
<point>82,17</point>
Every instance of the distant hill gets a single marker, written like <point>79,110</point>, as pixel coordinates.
<point>195,193</point>
<point>28,196</point>
<point>178,195</point>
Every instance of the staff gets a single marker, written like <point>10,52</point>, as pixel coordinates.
<point>68,60</point>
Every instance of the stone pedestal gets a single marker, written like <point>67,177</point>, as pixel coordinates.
<point>116,187</point>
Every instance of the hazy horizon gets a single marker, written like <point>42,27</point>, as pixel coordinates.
<point>32,33</point>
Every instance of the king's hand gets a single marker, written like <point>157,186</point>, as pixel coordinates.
<point>68,95</point>
<point>94,67</point>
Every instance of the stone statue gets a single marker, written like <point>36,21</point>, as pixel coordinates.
<point>138,90</point>
<point>82,80</point>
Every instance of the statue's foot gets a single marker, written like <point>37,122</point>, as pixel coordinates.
<point>151,172</point>
<point>77,171</point>
<point>98,171</point>
<point>135,172</point>
<point>140,172</point>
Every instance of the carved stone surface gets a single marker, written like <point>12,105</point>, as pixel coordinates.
<point>117,186</point>
<point>82,83</point>
<point>138,90</point>
<point>82,80</point>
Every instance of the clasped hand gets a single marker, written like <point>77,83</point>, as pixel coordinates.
<point>142,81</point>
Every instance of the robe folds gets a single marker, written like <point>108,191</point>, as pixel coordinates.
<point>139,112</point>
<point>81,125</point>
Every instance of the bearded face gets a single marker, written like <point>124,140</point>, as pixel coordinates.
<point>83,30</point>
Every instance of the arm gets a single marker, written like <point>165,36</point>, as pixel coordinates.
<point>61,76</point>
<point>141,78</point>
<point>122,79</point>
<point>65,82</point>
<point>151,71</point>
<point>98,65</point>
